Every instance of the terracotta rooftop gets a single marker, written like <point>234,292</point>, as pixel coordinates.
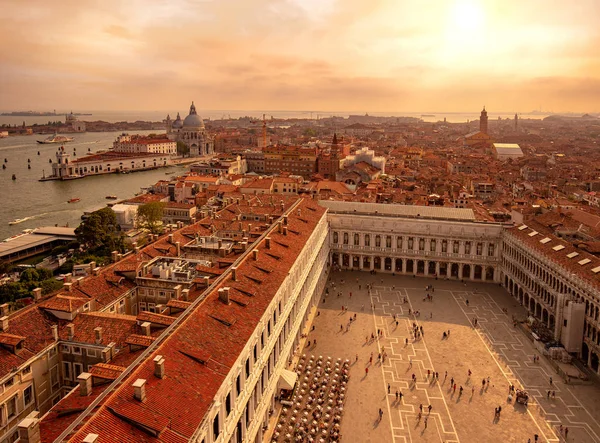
<point>203,348</point>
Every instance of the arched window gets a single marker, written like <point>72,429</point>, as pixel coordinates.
<point>399,242</point>
<point>421,244</point>
<point>388,241</point>
<point>356,239</point>
<point>367,240</point>
<point>467,247</point>
<point>345,238</point>
<point>335,237</point>
<point>411,243</point>
<point>378,241</point>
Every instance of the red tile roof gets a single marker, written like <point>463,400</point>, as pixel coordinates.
<point>177,403</point>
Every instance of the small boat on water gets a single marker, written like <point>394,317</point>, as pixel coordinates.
<point>17,221</point>
<point>74,200</point>
<point>55,139</point>
<point>111,197</point>
<point>14,177</point>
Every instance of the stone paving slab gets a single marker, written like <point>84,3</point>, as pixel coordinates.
<point>493,349</point>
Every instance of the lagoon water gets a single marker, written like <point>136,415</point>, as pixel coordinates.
<point>45,203</point>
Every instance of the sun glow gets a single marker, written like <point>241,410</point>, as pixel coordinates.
<point>467,16</point>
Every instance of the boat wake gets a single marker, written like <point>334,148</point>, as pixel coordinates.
<point>24,219</point>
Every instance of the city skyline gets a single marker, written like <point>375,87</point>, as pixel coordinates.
<point>383,56</point>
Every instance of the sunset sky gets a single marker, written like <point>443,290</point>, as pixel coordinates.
<point>346,55</point>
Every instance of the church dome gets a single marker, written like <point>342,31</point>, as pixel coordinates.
<point>177,123</point>
<point>193,121</point>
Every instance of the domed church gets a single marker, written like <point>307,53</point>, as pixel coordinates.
<point>192,132</point>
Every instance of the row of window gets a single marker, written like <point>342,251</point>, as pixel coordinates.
<point>410,243</point>
<point>10,408</point>
<point>253,359</point>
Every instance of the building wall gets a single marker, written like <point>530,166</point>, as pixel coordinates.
<point>452,249</point>
<point>250,406</point>
<point>545,288</point>
<point>35,386</point>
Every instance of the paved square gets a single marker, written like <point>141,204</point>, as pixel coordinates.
<point>493,349</point>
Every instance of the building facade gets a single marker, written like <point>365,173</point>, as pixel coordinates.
<point>139,144</point>
<point>442,242</point>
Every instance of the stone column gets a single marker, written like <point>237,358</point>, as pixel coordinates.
<point>449,270</point>
<point>483,273</point>
<point>394,264</point>
<point>361,262</point>
<point>382,264</point>
<point>460,270</point>
<point>403,265</point>
<point>472,273</point>
<point>437,268</point>
<point>372,263</point>
<point>426,267</point>
<point>351,262</point>
<point>340,259</point>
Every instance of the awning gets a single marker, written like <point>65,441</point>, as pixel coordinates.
<point>287,379</point>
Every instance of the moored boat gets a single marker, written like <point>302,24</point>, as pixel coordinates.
<point>74,200</point>
<point>111,197</point>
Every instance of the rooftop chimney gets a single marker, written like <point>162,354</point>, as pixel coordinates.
<point>178,247</point>
<point>285,219</point>
<point>139,389</point>
<point>68,286</point>
<point>234,273</point>
<point>85,384</point>
<point>159,366</point>
<point>171,238</point>
<point>91,438</point>
<point>114,256</point>
<point>255,254</point>
<point>106,355</point>
<point>98,335</point>
<point>268,242</point>
<point>68,277</point>
<point>92,265</point>
<point>4,323</point>
<point>285,230</point>
<point>54,332</point>
<point>37,294</point>
<point>146,328</point>
<point>71,330</point>
<point>112,346</point>
<point>29,430</point>
<point>299,212</point>
<point>280,227</point>
<point>224,295</point>
<point>206,280</point>
<point>185,294</point>
<point>96,270</point>
<point>4,308</point>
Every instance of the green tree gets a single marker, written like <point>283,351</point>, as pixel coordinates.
<point>182,149</point>
<point>5,267</point>
<point>150,216</point>
<point>100,232</point>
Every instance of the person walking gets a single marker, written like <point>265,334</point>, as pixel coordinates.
<point>388,388</point>
<point>425,423</point>
<point>429,409</point>
<point>380,414</point>
<point>366,371</point>
<point>421,407</point>
<point>566,433</point>
<point>445,375</point>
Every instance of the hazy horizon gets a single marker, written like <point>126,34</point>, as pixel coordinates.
<point>381,55</point>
